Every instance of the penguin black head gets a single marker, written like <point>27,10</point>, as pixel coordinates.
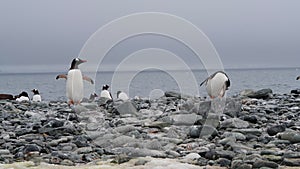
<point>25,94</point>
<point>105,87</point>
<point>298,78</point>
<point>35,91</point>
<point>93,96</point>
<point>76,62</point>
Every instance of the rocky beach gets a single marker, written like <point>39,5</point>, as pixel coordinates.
<point>255,129</point>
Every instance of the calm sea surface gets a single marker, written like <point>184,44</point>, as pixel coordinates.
<point>153,83</point>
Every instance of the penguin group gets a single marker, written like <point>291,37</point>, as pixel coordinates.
<point>23,96</point>
<point>216,86</point>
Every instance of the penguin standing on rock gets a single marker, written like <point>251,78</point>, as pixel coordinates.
<point>105,93</point>
<point>216,84</point>
<point>74,85</point>
<point>36,95</point>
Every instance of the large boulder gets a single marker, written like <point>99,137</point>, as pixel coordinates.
<point>260,94</point>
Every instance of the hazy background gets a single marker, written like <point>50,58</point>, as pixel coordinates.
<point>44,36</point>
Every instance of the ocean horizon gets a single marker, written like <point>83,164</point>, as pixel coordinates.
<point>153,82</point>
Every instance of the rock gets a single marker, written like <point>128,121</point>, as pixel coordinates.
<point>236,135</point>
<point>293,137</point>
<point>239,164</point>
<point>4,152</point>
<point>254,131</point>
<point>141,162</point>
<point>127,108</point>
<point>291,161</point>
<point>153,145</point>
<point>176,95</point>
<point>67,162</point>
<point>122,140</point>
<point>232,107</point>
<point>194,131</point>
<point>234,123</point>
<point>260,94</point>
<point>223,162</point>
<point>247,92</point>
<point>250,118</point>
<point>273,130</point>
<point>263,163</point>
<point>185,119</point>
<point>192,156</point>
<point>208,131</point>
<point>84,150</point>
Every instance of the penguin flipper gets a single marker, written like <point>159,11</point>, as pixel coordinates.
<point>61,76</point>
<point>205,81</point>
<point>88,79</point>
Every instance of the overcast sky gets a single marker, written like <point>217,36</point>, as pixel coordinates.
<point>45,35</point>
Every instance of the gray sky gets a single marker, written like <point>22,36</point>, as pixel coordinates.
<point>45,35</point>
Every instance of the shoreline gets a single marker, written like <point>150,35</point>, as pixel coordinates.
<point>255,129</point>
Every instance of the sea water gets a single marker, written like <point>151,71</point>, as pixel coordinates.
<point>149,83</point>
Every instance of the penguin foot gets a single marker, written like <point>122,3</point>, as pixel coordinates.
<point>71,102</point>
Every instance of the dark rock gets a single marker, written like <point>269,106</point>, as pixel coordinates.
<point>223,162</point>
<point>273,130</point>
<point>250,118</point>
<point>260,94</point>
<point>194,131</point>
<point>263,163</point>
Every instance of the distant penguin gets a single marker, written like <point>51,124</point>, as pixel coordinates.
<point>298,78</point>
<point>36,96</point>
<point>74,85</point>
<point>93,97</point>
<point>122,96</point>
<point>216,84</point>
<point>23,97</point>
<point>105,93</point>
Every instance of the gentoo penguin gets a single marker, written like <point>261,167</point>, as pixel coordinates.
<point>105,93</point>
<point>93,97</point>
<point>23,97</point>
<point>298,78</point>
<point>74,85</point>
<point>216,84</point>
<point>36,95</point>
<point>122,96</point>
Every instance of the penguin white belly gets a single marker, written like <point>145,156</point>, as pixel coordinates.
<point>216,86</point>
<point>37,98</point>
<point>105,94</point>
<point>74,86</point>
